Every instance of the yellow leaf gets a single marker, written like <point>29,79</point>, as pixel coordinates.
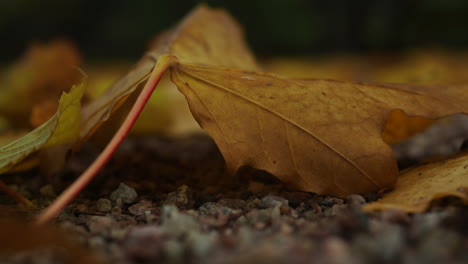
<point>417,187</point>
<point>63,127</point>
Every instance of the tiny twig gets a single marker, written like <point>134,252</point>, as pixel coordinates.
<point>16,196</point>
<point>72,191</point>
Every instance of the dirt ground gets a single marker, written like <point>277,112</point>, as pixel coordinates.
<point>168,200</point>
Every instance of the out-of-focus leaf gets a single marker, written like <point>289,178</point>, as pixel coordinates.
<point>42,74</point>
<point>203,37</point>
<point>416,188</point>
<point>343,67</point>
<point>172,111</point>
<point>167,104</point>
<point>62,128</point>
<point>423,67</point>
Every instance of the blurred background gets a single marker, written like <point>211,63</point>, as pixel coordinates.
<point>120,29</point>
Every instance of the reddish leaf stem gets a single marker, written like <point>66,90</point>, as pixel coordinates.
<point>74,189</point>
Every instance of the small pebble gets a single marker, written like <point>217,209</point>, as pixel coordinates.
<point>174,250</point>
<point>176,223</point>
<point>326,201</point>
<point>182,198</point>
<point>201,243</point>
<point>103,205</point>
<point>125,193</point>
<point>100,225</point>
<point>141,208</point>
<point>259,216</point>
<point>272,201</point>
<point>232,203</point>
<point>355,201</point>
<point>144,243</point>
<point>337,251</point>
<point>211,208</point>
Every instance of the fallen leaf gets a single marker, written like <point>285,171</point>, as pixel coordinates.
<point>167,103</point>
<point>62,128</point>
<point>42,74</point>
<point>205,37</point>
<point>317,135</point>
<point>418,67</point>
<point>416,188</point>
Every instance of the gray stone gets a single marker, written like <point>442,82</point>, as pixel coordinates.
<point>355,201</point>
<point>211,208</point>
<point>175,223</point>
<point>182,198</point>
<point>143,207</point>
<point>201,243</point>
<point>270,201</point>
<point>144,243</point>
<point>174,250</point>
<point>125,193</point>
<point>103,205</point>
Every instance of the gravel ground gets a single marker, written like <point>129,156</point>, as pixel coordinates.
<point>166,200</point>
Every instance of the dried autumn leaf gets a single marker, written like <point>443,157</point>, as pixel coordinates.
<point>417,187</point>
<point>420,67</point>
<point>318,135</point>
<point>205,36</point>
<point>168,104</point>
<point>42,74</point>
<point>63,127</point>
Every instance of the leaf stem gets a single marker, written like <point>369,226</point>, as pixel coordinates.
<point>163,63</point>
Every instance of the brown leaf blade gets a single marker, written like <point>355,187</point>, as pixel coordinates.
<point>319,135</point>
<point>417,187</point>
